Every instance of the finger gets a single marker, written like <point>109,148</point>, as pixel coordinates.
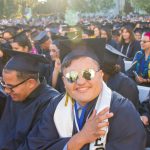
<point>103,124</point>
<point>103,111</point>
<point>101,118</point>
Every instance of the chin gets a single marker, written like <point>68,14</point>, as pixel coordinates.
<point>16,99</point>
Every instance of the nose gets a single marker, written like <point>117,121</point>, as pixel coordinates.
<point>81,80</point>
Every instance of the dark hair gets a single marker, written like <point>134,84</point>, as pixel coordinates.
<point>24,75</point>
<point>108,32</point>
<point>132,38</point>
<point>23,41</point>
<point>111,69</point>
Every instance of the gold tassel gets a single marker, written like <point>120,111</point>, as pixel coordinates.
<point>67,99</point>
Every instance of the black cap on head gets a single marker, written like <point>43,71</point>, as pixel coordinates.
<point>111,54</point>
<point>11,29</point>
<point>24,62</point>
<point>93,48</point>
<point>88,32</point>
<point>110,58</point>
<point>129,25</point>
<point>54,28</point>
<point>19,34</point>
<point>116,32</point>
<point>41,37</point>
<point>138,30</point>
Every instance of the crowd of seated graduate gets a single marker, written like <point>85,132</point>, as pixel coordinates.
<point>42,44</point>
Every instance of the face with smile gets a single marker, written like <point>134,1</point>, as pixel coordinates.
<point>22,87</point>
<point>125,34</point>
<point>83,90</point>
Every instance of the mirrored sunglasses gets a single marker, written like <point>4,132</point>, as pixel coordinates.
<point>87,74</point>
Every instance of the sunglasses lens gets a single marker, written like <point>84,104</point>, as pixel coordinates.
<point>88,74</point>
<point>72,76</point>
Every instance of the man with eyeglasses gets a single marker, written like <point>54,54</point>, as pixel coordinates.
<point>27,98</point>
<point>89,116</point>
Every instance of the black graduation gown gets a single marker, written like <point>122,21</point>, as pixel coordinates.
<point>124,86</point>
<point>120,59</point>
<point>2,101</point>
<point>44,68</point>
<point>144,110</point>
<point>126,131</point>
<point>19,118</point>
<point>133,48</point>
<point>60,85</point>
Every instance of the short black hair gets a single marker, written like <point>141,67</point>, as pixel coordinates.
<point>24,75</point>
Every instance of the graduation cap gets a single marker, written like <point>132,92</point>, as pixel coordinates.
<point>11,29</point>
<point>111,54</point>
<point>24,62</point>
<point>88,32</point>
<point>129,25</point>
<point>41,37</point>
<point>110,58</point>
<point>138,30</point>
<point>58,37</point>
<point>116,32</point>
<point>93,48</point>
<point>54,28</point>
<point>107,26</point>
<point>19,34</point>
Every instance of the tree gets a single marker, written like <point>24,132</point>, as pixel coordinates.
<point>91,5</point>
<point>142,4</point>
<point>51,7</point>
<point>127,7</point>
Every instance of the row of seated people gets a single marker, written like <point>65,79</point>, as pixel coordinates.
<point>113,76</point>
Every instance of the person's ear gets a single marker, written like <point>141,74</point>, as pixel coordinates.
<point>32,83</point>
<point>101,73</point>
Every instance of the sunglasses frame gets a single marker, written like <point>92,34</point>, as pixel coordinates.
<point>144,41</point>
<point>75,75</point>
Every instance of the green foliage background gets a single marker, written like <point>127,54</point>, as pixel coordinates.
<point>15,8</point>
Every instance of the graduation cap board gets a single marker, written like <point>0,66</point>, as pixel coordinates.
<point>41,37</point>
<point>19,35</point>
<point>82,47</point>
<point>94,48</point>
<point>111,55</point>
<point>111,58</point>
<point>24,62</point>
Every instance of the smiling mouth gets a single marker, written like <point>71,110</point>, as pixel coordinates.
<point>82,89</point>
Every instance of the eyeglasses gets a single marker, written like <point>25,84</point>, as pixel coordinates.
<point>11,87</point>
<point>144,41</point>
<point>73,76</point>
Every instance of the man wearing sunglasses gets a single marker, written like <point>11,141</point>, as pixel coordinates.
<point>89,116</point>
<point>27,98</point>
